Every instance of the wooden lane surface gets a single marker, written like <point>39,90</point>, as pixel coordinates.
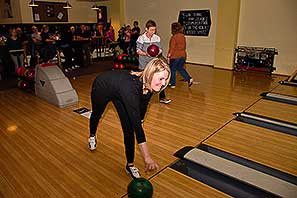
<point>276,150</point>
<point>273,109</point>
<point>47,155</point>
<point>286,90</point>
<point>44,152</point>
<point>170,183</point>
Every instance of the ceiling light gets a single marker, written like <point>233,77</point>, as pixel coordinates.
<point>33,4</point>
<point>67,6</point>
<point>95,7</point>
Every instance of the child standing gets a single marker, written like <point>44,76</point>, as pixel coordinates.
<point>177,54</point>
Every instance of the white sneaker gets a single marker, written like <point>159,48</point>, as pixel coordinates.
<point>92,143</point>
<point>190,82</point>
<point>132,171</point>
<point>165,100</point>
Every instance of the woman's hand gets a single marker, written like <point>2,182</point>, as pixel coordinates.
<point>150,165</point>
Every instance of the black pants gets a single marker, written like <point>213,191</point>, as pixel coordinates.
<point>48,52</point>
<point>99,102</point>
<point>68,54</point>
<point>162,94</point>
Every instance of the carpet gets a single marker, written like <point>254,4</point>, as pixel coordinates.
<point>98,66</point>
<point>8,83</point>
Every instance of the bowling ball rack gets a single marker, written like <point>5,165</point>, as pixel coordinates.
<point>254,59</point>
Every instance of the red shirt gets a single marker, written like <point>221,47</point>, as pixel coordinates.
<point>177,46</point>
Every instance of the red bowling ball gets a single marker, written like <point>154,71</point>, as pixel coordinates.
<point>121,66</point>
<point>153,50</point>
<point>116,65</point>
<point>30,74</point>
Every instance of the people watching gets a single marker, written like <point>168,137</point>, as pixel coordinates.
<point>66,46</point>
<point>15,48</point>
<point>134,36</point>
<point>35,45</point>
<point>48,49</point>
<point>127,45</point>
<point>109,37</point>
<point>84,36</point>
<point>35,36</point>
<point>21,35</point>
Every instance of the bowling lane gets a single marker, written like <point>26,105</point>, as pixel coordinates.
<point>170,183</point>
<point>264,146</point>
<point>286,90</point>
<point>276,110</point>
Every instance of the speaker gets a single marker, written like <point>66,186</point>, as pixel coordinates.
<point>53,86</point>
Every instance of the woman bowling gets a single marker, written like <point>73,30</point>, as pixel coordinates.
<point>130,92</point>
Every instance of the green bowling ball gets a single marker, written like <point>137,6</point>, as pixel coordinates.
<point>129,59</point>
<point>140,188</point>
<point>125,59</point>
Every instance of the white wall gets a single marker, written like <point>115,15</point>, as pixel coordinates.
<point>164,12</point>
<point>271,23</point>
<point>265,23</point>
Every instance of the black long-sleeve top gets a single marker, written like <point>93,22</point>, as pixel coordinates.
<point>13,44</point>
<point>123,86</point>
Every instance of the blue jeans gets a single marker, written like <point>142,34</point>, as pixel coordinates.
<point>178,64</point>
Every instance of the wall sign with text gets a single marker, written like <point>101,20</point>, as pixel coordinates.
<point>195,22</point>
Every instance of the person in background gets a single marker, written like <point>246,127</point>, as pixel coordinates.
<point>134,36</point>
<point>21,35</point>
<point>177,54</point>
<point>35,36</point>
<point>84,36</point>
<point>109,37</point>
<point>48,50</point>
<point>67,49</point>
<point>24,40</point>
<point>130,93</point>
<point>72,30</point>
<point>35,45</point>
<point>99,39</point>
<point>143,42</point>
<point>121,38</point>
<point>100,29</point>
<point>127,45</point>
<point>13,43</point>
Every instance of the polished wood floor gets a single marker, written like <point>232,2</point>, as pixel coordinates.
<point>43,148</point>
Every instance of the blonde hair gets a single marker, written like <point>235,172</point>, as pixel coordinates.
<point>154,66</point>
